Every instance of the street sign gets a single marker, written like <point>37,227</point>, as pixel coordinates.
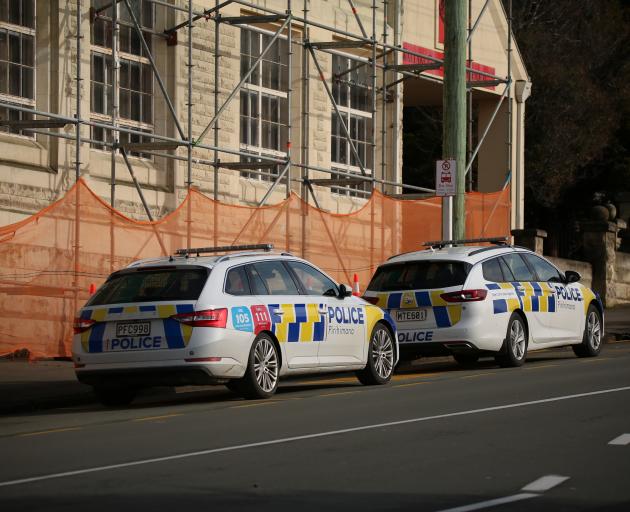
<point>445,178</point>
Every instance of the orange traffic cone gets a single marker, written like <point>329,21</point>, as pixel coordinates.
<point>356,291</point>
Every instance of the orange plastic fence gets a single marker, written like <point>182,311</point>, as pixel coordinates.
<point>49,261</point>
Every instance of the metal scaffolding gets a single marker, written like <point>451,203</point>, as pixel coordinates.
<point>378,55</point>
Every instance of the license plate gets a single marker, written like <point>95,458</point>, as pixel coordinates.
<point>411,315</point>
<point>133,329</point>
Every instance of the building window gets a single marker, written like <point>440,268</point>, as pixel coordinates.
<point>135,79</point>
<point>264,103</point>
<point>352,91</point>
<point>17,59</point>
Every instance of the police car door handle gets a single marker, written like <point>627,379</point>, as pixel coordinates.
<point>278,312</point>
<point>322,310</point>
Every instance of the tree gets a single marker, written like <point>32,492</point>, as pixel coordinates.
<point>577,54</point>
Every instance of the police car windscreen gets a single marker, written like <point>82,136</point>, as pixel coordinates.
<point>419,275</point>
<point>151,285</point>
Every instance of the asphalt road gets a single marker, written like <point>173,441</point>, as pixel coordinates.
<point>438,437</point>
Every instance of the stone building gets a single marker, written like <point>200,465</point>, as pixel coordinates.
<point>283,106</point>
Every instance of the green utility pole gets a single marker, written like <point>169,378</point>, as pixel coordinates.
<point>454,104</point>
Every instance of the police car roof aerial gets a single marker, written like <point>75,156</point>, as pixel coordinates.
<point>243,250</point>
<point>439,244</point>
<point>459,247</point>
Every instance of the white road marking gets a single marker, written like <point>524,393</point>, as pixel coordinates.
<point>544,483</point>
<point>622,440</point>
<point>305,437</point>
<point>531,490</point>
<point>492,503</point>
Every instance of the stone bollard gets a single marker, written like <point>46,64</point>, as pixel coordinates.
<point>532,239</point>
<point>599,242</point>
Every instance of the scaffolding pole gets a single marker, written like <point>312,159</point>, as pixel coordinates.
<point>189,111</point>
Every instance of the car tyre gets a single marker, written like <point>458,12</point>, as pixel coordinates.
<point>381,356</point>
<point>115,396</point>
<point>466,359</point>
<point>592,339</point>
<point>514,349</point>
<point>263,370</point>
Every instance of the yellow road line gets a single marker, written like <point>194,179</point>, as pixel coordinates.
<point>340,393</point>
<point>407,376</point>
<point>474,376</point>
<point>52,431</point>
<point>257,404</point>
<point>410,384</point>
<point>151,418</point>
<point>539,366</point>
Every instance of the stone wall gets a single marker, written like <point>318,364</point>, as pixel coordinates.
<point>623,277</point>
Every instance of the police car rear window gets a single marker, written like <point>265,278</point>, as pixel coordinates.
<point>151,285</point>
<point>419,275</point>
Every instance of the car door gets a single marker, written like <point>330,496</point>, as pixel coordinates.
<point>280,297</point>
<point>567,318</point>
<point>526,287</point>
<point>343,319</point>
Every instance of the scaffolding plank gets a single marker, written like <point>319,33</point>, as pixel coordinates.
<point>336,182</point>
<point>415,68</point>
<point>33,123</point>
<point>150,146</point>
<point>248,165</point>
<point>324,45</point>
<point>484,83</point>
<point>242,20</point>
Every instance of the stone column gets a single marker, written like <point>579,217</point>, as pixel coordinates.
<point>599,240</point>
<point>532,239</point>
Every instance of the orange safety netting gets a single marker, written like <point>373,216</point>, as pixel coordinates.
<point>49,261</point>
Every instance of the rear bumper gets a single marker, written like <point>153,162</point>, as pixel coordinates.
<point>147,377</point>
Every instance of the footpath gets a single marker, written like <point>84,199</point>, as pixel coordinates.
<point>37,386</point>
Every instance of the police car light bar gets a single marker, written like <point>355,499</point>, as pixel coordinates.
<point>224,248</point>
<point>443,243</point>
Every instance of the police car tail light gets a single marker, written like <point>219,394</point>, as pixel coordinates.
<point>205,318</point>
<point>371,300</point>
<point>82,324</point>
<point>465,296</point>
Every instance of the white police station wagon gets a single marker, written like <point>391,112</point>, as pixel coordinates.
<point>487,300</point>
<point>243,320</point>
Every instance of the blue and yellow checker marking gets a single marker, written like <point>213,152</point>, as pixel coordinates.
<point>537,297</point>
<point>177,334</point>
<point>446,315</point>
<point>298,322</point>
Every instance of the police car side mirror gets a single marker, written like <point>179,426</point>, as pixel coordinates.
<point>344,291</point>
<point>571,276</point>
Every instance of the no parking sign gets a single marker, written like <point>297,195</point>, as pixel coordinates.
<point>445,177</point>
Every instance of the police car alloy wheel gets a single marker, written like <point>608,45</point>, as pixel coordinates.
<point>515,348</point>
<point>592,340</point>
<point>261,378</point>
<point>381,357</point>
